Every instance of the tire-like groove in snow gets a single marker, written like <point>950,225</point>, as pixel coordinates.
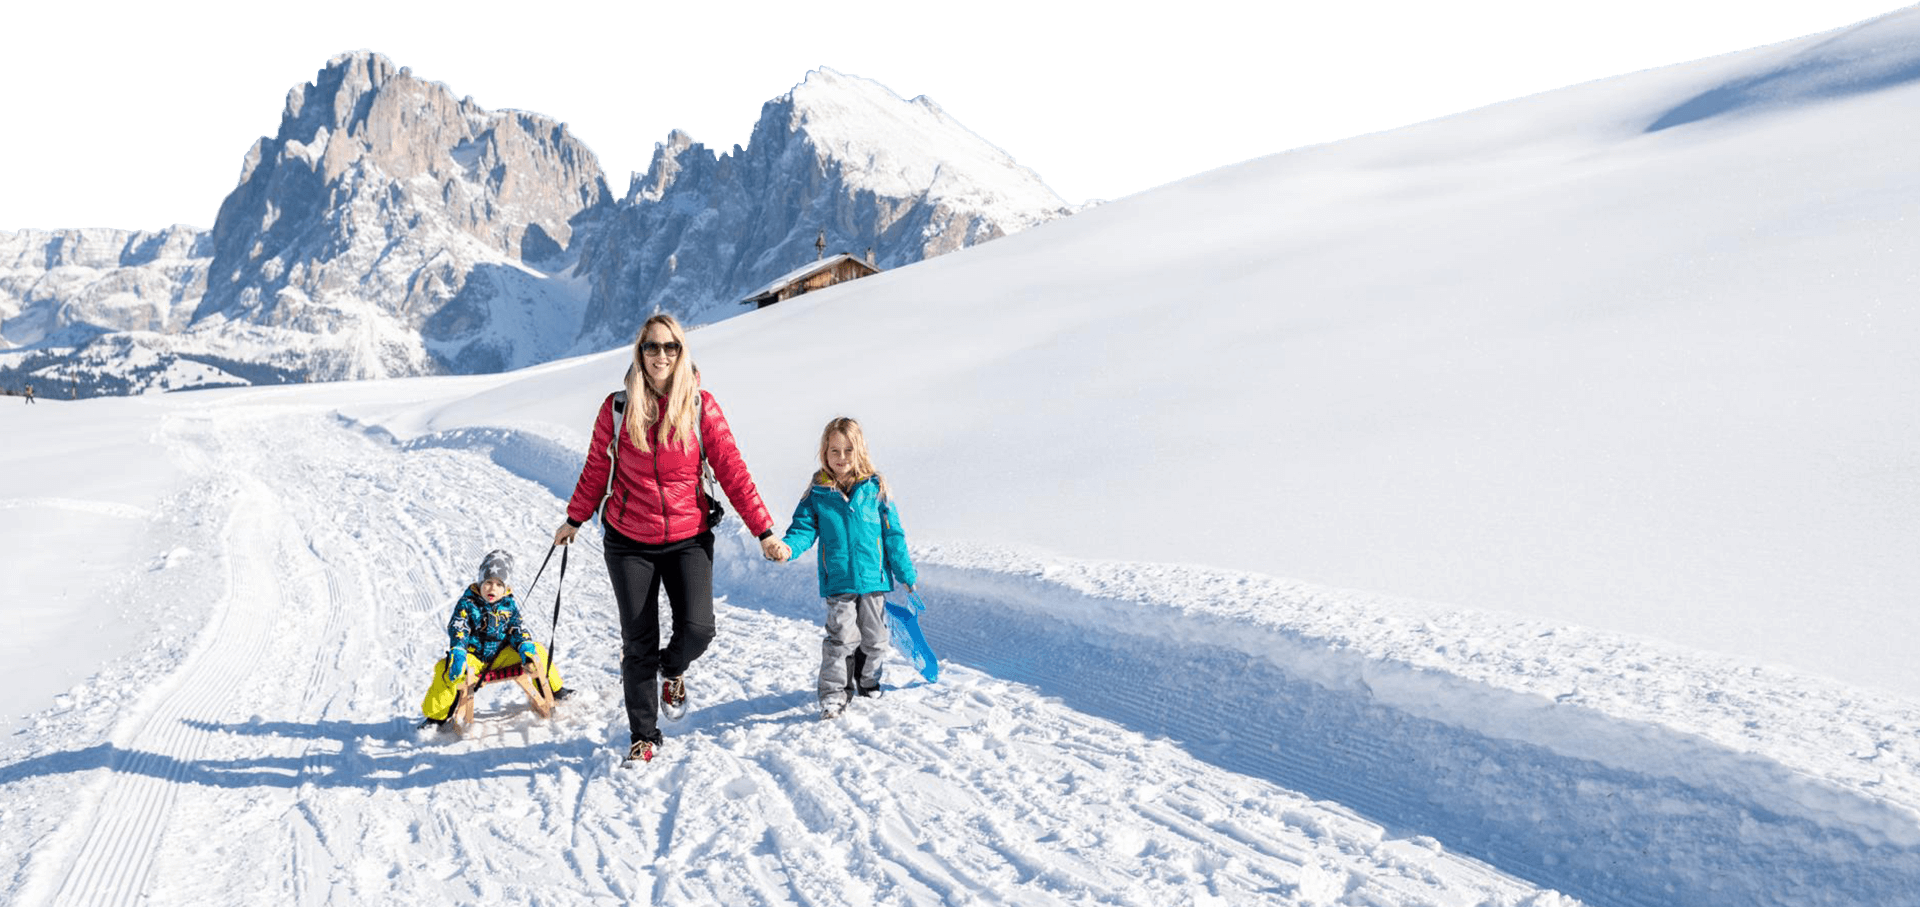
<point>111,864</point>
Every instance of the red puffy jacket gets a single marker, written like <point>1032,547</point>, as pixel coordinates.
<point>656,496</point>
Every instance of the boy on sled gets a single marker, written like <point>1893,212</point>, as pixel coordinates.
<point>485,638</point>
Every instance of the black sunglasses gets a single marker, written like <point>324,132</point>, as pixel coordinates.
<point>670,348</point>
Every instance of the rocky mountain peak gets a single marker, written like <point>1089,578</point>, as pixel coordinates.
<point>389,226</point>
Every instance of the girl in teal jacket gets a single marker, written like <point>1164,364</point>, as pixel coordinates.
<point>863,552</point>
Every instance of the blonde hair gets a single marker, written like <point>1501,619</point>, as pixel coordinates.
<point>862,461</point>
<point>682,392</point>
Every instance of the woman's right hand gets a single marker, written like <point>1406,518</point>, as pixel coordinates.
<point>564,534</point>
<point>775,550</point>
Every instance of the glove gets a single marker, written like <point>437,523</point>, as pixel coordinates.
<point>456,663</point>
<point>526,655</point>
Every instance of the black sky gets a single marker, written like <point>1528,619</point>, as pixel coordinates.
<point>146,127</point>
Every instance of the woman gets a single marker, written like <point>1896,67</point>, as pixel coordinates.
<point>655,517</point>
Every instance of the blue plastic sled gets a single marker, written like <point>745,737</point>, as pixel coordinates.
<point>903,624</point>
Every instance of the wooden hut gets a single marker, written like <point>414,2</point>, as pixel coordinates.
<point>816,275</point>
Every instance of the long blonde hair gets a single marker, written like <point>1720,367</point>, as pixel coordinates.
<point>682,392</point>
<point>862,461</point>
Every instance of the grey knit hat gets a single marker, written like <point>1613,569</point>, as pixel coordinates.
<point>496,565</point>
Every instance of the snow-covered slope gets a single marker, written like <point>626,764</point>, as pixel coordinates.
<point>1505,510</point>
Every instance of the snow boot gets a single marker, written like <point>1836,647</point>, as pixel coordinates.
<point>673,697</point>
<point>856,666</point>
<point>642,751</point>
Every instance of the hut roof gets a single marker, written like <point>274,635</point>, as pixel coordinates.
<point>802,273</point>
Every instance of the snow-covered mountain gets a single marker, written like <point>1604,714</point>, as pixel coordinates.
<point>838,155</point>
<point>60,289</point>
<point>53,280</point>
<point>401,228</point>
<point>391,228</point>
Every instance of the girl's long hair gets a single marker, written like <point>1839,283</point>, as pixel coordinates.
<point>682,392</point>
<point>862,461</point>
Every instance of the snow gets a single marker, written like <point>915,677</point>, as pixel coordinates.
<point>1514,509</point>
<point>906,149</point>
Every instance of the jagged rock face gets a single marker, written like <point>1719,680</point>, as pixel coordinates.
<point>389,228</point>
<point>376,202</point>
<point>77,283</point>
<point>837,154</point>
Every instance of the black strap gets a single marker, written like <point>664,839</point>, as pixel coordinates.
<point>537,573</point>
<point>553,635</point>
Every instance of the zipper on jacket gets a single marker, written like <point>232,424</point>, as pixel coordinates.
<point>666,522</point>
<point>846,526</point>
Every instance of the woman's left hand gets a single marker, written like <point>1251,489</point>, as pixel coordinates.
<point>774,550</point>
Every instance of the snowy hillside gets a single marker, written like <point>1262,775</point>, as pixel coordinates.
<point>1514,509</point>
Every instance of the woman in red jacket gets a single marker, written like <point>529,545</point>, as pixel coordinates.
<point>655,518</point>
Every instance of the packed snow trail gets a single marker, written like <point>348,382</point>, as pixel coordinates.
<point>1653,817</point>
<point>271,751</point>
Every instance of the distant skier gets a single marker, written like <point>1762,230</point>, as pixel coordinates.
<point>29,393</point>
<point>863,552</point>
<point>484,633</point>
<point>642,475</point>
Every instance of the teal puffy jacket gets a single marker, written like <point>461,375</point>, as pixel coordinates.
<point>863,548</point>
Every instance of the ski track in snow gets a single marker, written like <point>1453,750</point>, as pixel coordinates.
<point>1074,751</point>
<point>275,753</point>
<point>97,508</point>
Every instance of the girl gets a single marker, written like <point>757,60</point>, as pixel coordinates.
<point>863,551</point>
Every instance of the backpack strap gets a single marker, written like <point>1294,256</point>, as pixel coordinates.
<point>613,448</point>
<point>708,484</point>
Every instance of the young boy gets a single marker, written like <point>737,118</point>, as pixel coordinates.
<point>484,633</point>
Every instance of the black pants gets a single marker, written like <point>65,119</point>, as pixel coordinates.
<point>639,571</point>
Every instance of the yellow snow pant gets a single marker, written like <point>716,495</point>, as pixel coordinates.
<point>441,693</point>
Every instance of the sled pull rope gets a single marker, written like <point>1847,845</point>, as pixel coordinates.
<point>537,573</point>
<point>554,634</point>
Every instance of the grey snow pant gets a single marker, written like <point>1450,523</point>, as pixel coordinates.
<point>854,622</point>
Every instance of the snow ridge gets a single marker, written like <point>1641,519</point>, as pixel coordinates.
<point>1327,693</point>
<point>1872,56</point>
